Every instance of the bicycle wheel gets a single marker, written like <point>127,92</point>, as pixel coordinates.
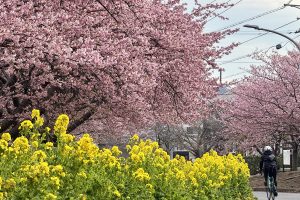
<point>270,189</point>
<point>268,193</point>
<point>272,195</point>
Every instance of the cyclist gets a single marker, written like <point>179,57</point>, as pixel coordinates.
<point>268,165</point>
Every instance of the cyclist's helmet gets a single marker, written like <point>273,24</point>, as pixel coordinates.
<point>267,148</point>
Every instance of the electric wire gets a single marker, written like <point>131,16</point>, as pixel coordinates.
<point>289,41</point>
<point>212,1</point>
<point>251,18</point>
<point>267,32</point>
<point>217,15</point>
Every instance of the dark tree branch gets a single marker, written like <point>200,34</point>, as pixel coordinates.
<point>81,120</point>
<point>107,10</point>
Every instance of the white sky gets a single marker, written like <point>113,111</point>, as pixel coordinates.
<point>245,10</point>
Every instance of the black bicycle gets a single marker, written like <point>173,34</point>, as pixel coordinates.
<point>271,188</point>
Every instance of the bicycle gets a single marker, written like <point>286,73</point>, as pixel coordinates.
<point>270,188</point>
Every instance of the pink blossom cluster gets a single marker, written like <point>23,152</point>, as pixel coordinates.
<point>266,106</point>
<point>122,63</point>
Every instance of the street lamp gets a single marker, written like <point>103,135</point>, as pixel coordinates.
<point>272,31</point>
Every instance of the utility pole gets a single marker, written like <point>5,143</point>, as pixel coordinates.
<point>221,70</point>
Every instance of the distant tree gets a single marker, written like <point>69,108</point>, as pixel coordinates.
<point>266,106</point>
<point>198,138</point>
<point>122,64</point>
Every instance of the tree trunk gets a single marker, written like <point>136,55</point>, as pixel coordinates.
<point>295,157</point>
<point>277,149</point>
<point>81,120</point>
<point>258,150</point>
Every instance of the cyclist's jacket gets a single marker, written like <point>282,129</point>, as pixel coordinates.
<point>268,160</point>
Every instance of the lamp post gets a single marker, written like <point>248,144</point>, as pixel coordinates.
<point>272,31</point>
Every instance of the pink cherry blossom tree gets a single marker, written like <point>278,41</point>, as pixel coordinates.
<point>119,64</point>
<point>266,108</point>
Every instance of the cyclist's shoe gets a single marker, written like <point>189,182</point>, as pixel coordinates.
<point>265,183</point>
<point>275,193</point>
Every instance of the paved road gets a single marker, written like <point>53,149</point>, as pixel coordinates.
<point>281,196</point>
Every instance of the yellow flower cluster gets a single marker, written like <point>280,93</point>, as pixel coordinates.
<point>141,175</point>
<point>61,124</point>
<point>69,169</point>
<point>35,115</point>
<point>21,145</point>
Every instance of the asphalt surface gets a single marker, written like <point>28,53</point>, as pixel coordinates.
<point>281,196</point>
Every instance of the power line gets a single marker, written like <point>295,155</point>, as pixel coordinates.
<point>216,9</point>
<point>267,32</point>
<point>290,41</point>
<point>245,62</point>
<point>244,72</point>
<point>212,1</point>
<point>249,55</point>
<point>245,56</point>
<point>251,18</point>
<point>238,58</point>
<point>259,32</point>
<point>217,15</point>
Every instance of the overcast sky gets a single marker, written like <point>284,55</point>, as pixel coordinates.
<point>243,10</point>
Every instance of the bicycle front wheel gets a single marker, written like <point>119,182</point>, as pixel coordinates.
<point>270,194</point>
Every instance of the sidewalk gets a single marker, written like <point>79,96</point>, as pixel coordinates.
<point>281,196</point>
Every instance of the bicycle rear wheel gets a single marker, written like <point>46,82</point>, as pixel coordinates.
<point>272,195</point>
<point>270,189</point>
<point>268,193</point>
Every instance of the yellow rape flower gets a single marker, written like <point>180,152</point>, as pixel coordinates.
<point>67,138</point>
<point>180,175</point>
<point>154,145</point>
<point>82,197</point>
<point>39,155</point>
<point>9,183</point>
<point>55,181</point>
<point>42,168</point>
<point>115,150</point>
<point>61,124</point>
<point>26,124</point>
<point>141,175</point>
<point>23,180</point>
<point>128,147</point>
<point>117,193</point>
<point>135,158</point>
<point>50,196</point>
<point>6,137</point>
<point>39,122</point>
<point>135,149</point>
<point>35,144</point>
<point>48,145</point>
<point>82,174</point>
<point>21,144</point>
<point>59,170</point>
<point>3,144</point>
<point>135,137</point>
<point>148,185</point>
<point>35,113</point>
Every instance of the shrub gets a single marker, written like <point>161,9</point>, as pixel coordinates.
<point>253,163</point>
<point>34,169</point>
